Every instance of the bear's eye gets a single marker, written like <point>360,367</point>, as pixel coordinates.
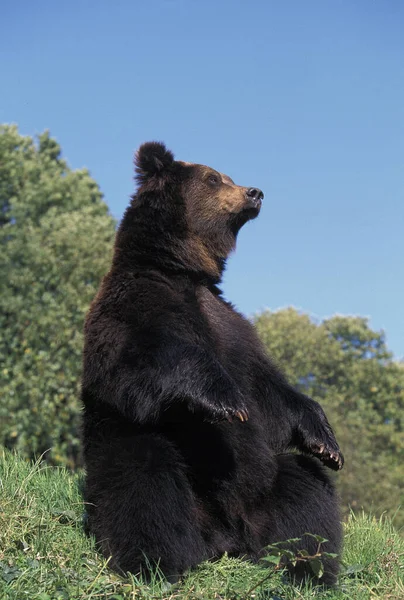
<point>213,179</point>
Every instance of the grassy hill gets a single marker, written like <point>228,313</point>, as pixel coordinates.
<point>44,554</point>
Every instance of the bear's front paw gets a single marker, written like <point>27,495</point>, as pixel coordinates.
<point>316,437</point>
<point>328,453</point>
<point>240,413</point>
<point>228,410</point>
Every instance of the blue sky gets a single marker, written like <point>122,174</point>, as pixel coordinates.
<point>302,99</point>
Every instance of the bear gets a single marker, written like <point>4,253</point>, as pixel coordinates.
<point>194,443</point>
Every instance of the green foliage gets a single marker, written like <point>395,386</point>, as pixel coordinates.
<point>55,235</point>
<point>44,554</point>
<point>346,366</point>
<point>288,552</point>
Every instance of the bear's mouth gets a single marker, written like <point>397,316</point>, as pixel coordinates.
<point>254,197</point>
<point>249,212</point>
<point>254,205</point>
<point>252,208</point>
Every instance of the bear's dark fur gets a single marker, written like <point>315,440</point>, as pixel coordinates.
<point>187,423</point>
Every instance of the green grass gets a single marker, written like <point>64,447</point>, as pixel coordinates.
<point>44,554</point>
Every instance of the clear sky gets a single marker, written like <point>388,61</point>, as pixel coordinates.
<point>304,99</point>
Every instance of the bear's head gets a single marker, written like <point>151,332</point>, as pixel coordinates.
<point>185,215</point>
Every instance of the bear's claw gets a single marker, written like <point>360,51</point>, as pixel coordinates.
<point>333,459</point>
<point>242,415</point>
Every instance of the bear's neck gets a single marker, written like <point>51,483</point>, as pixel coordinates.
<point>141,246</point>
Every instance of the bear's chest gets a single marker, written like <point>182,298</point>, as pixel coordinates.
<point>219,315</point>
<point>232,333</point>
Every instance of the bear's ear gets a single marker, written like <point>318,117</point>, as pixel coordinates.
<point>152,158</point>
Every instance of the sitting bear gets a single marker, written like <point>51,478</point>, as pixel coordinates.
<point>187,426</point>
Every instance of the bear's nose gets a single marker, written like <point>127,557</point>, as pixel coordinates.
<point>255,194</point>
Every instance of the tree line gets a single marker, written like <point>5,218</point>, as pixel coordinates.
<point>56,238</point>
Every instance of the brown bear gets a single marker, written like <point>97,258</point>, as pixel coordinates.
<point>188,426</point>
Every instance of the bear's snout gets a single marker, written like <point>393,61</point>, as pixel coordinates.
<point>255,197</point>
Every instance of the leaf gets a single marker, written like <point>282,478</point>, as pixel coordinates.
<point>352,569</point>
<point>318,538</point>
<point>329,555</point>
<point>316,566</point>
<point>9,573</point>
<point>272,559</point>
<point>65,516</point>
<point>288,554</point>
<point>33,563</point>
<point>274,551</point>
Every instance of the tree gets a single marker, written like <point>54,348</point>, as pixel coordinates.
<point>56,238</point>
<point>347,367</point>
